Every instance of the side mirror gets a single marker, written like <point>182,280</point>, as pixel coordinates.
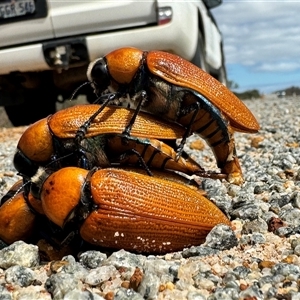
<point>212,3</point>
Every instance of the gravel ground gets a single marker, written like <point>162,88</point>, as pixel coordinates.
<point>261,260</point>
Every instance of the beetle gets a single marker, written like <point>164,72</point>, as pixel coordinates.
<point>104,144</point>
<point>177,90</point>
<point>22,218</point>
<point>17,219</point>
<point>119,208</point>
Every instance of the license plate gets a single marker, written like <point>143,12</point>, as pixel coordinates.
<point>16,8</point>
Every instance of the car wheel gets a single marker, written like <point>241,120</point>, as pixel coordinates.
<point>37,104</point>
<point>199,57</point>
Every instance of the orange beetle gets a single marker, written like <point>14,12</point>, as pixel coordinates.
<point>179,91</point>
<point>55,143</point>
<point>117,208</point>
<point>17,219</point>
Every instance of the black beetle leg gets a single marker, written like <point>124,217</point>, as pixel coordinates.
<point>85,194</point>
<point>193,107</point>
<point>140,159</point>
<point>142,95</point>
<point>81,132</point>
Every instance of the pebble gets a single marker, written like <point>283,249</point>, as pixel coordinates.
<point>19,253</point>
<point>257,258</point>
<point>19,275</point>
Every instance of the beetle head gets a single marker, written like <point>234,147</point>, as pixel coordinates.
<point>119,67</point>
<point>26,167</point>
<point>98,75</point>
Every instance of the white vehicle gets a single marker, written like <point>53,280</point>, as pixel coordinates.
<point>46,45</point>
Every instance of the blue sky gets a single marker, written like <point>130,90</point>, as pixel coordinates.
<point>261,43</point>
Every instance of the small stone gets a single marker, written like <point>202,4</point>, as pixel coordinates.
<point>73,267</point>
<point>92,259</point>
<point>284,231</point>
<point>128,294</point>
<point>252,239</point>
<point>266,264</point>
<point>149,286</point>
<point>81,295</point>
<point>291,216</point>
<point>256,140</point>
<point>19,253</point>
<point>19,275</point>
<point>258,225</point>
<point>198,251</point>
<point>241,272</point>
<point>290,259</point>
<point>285,269</point>
<point>221,237</point>
<point>58,285</point>
<point>274,224</point>
<point>100,274</point>
<point>297,250</point>
<point>268,278</point>
<point>224,294</point>
<point>195,296</point>
<point>205,284</point>
<point>248,211</point>
<point>197,145</point>
<point>136,279</point>
<point>4,293</point>
<point>259,189</point>
<point>295,242</point>
<point>56,266</point>
<point>252,292</point>
<point>109,296</point>
<point>295,199</point>
<point>125,260</point>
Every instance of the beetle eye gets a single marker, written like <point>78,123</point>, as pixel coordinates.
<point>24,165</point>
<point>98,74</point>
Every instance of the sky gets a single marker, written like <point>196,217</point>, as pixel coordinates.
<point>261,43</point>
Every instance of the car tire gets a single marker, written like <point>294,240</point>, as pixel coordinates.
<point>199,57</point>
<point>37,104</point>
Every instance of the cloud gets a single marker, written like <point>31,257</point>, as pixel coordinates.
<point>262,35</point>
<point>278,67</point>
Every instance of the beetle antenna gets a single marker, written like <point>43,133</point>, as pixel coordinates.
<point>21,187</point>
<point>12,193</point>
<point>78,88</point>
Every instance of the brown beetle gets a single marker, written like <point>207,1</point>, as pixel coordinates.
<point>103,143</point>
<point>17,220</point>
<point>179,91</point>
<point>129,210</point>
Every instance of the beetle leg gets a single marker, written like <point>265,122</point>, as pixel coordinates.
<point>193,107</point>
<point>141,97</point>
<point>140,159</point>
<point>81,132</point>
<point>62,241</point>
